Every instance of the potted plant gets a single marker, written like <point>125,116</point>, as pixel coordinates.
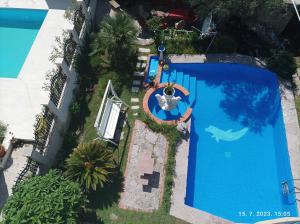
<point>152,80</point>
<point>2,151</point>
<point>169,90</point>
<point>165,67</point>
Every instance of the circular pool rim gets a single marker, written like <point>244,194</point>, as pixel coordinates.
<point>150,91</point>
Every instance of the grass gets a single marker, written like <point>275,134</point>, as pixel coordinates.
<point>105,201</point>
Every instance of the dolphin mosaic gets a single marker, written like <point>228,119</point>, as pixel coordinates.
<point>228,135</point>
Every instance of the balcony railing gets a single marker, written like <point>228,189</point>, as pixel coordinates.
<point>69,50</point>
<point>42,130</point>
<point>57,85</point>
<point>79,18</point>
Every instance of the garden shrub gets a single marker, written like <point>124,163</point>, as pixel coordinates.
<point>44,199</point>
<point>91,164</point>
<point>282,63</point>
<point>3,129</point>
<point>74,108</point>
<point>153,24</point>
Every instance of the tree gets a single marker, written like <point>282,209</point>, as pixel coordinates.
<point>282,63</point>
<point>242,8</point>
<point>44,199</point>
<point>114,41</point>
<point>91,165</point>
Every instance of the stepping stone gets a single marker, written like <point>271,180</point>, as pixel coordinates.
<point>139,74</point>
<point>135,89</point>
<point>141,65</point>
<point>142,58</point>
<point>122,135</point>
<point>135,114</point>
<point>136,82</point>
<point>136,107</point>
<point>144,50</point>
<point>134,100</point>
<point>113,216</point>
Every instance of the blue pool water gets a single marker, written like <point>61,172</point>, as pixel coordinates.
<point>238,154</point>
<point>153,67</point>
<point>18,29</point>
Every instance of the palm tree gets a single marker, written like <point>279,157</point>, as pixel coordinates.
<point>91,165</point>
<point>116,37</point>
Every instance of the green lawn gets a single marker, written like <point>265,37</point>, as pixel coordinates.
<point>104,203</point>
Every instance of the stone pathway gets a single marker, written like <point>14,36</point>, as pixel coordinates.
<point>137,196</point>
<point>139,75</point>
<point>140,66</point>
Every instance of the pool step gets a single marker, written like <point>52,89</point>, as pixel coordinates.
<point>186,81</point>
<point>170,78</point>
<point>179,78</point>
<point>164,78</point>
<point>193,89</point>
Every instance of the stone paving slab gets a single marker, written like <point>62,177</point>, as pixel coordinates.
<point>143,58</point>
<point>144,50</point>
<point>135,107</point>
<point>134,100</point>
<point>135,89</point>
<point>134,196</point>
<point>139,74</point>
<point>141,65</point>
<point>216,58</point>
<point>136,82</point>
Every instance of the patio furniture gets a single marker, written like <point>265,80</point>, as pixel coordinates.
<point>110,119</point>
<point>108,115</point>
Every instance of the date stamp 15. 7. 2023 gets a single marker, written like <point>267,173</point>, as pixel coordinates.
<point>264,214</point>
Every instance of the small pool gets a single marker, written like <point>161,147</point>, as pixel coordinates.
<point>174,114</point>
<point>18,30</point>
<point>153,68</point>
<point>238,156</point>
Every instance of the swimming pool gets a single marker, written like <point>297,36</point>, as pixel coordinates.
<point>238,155</point>
<point>18,29</point>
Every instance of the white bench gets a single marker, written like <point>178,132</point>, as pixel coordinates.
<point>109,119</point>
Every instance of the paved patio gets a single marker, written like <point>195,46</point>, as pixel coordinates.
<point>13,167</point>
<point>137,195</point>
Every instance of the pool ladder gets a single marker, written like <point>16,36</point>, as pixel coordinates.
<point>286,189</point>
